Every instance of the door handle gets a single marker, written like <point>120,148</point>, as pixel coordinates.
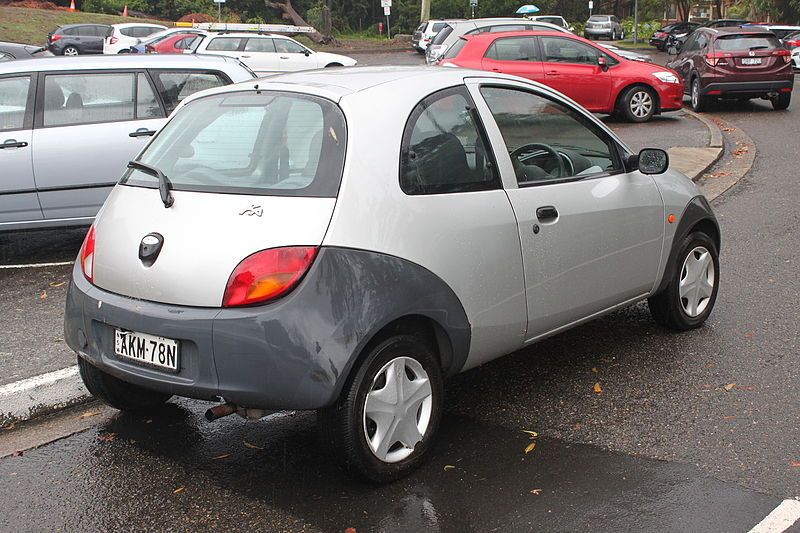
<point>245,56</point>
<point>547,213</point>
<point>13,143</point>
<point>142,132</point>
<point>552,73</point>
<point>284,57</point>
<point>496,70</point>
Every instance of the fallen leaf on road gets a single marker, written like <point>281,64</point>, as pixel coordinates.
<point>220,457</point>
<point>794,463</point>
<point>54,284</point>
<point>10,427</point>
<point>728,417</point>
<point>87,415</point>
<point>729,386</point>
<point>728,129</point>
<point>350,530</point>
<point>58,339</point>
<point>533,434</point>
<point>598,388</point>
<point>746,388</point>
<point>749,335</point>
<point>530,447</point>
<point>43,295</point>
<point>251,446</point>
<point>17,453</point>
<point>176,491</point>
<point>718,175</point>
<point>594,369</point>
<point>448,467</point>
<point>536,491</point>
<point>107,437</point>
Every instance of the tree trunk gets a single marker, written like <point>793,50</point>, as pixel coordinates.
<point>288,13</point>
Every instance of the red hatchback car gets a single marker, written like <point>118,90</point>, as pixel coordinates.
<point>595,77</point>
<point>741,63</point>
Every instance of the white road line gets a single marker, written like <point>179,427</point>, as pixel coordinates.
<point>780,519</point>
<point>37,265</point>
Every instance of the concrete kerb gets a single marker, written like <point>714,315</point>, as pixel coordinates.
<point>47,393</point>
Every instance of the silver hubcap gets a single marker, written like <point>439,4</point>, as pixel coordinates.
<point>641,104</point>
<point>697,281</point>
<point>695,94</point>
<point>70,52</point>
<point>397,409</point>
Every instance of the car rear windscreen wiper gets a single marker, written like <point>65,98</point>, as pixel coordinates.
<point>164,184</point>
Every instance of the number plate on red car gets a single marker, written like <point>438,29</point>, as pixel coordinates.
<point>751,61</point>
<point>148,349</point>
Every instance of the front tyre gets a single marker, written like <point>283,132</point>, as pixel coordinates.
<point>699,102</point>
<point>637,104</point>
<point>690,296</point>
<point>386,417</point>
<point>117,393</point>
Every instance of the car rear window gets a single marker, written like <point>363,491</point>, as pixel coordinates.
<point>746,42</point>
<point>270,143</point>
<point>599,18</point>
<point>437,26</point>
<point>442,35</point>
<point>454,50</point>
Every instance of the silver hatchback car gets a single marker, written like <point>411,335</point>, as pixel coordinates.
<point>69,125</point>
<point>277,247</point>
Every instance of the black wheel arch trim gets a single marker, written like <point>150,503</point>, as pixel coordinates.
<point>696,214</point>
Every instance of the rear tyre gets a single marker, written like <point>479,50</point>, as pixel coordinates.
<point>699,102</point>
<point>781,101</point>
<point>637,104</point>
<point>333,65</point>
<point>117,393</point>
<point>690,296</point>
<point>386,417</point>
<point>70,51</point>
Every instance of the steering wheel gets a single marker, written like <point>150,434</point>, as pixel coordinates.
<point>551,152</point>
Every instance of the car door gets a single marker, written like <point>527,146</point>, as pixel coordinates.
<point>18,200</point>
<point>591,233</point>
<point>571,67</point>
<point>259,54</point>
<point>88,126</point>
<point>293,56</point>
<point>94,44</point>
<point>514,55</point>
<point>683,62</point>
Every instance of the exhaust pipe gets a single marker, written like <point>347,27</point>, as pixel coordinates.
<point>219,411</point>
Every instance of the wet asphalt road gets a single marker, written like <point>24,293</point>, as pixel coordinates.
<point>691,432</point>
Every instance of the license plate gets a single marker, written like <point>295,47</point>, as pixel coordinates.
<point>751,61</point>
<point>147,349</point>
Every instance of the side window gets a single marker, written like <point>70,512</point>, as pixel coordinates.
<point>14,98</point>
<point>513,49</point>
<point>129,32</point>
<point>224,44</point>
<point>288,47</point>
<point>507,27</point>
<point>691,43</point>
<point>185,43</point>
<point>69,31</point>
<point>175,86</point>
<point>259,44</point>
<point>443,150</point>
<point>4,56</point>
<point>71,99</point>
<point>146,101</point>
<point>547,140</point>
<point>558,50</point>
<point>702,42</point>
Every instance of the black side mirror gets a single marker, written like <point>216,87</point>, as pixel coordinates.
<point>652,161</point>
<point>601,61</point>
<point>306,53</point>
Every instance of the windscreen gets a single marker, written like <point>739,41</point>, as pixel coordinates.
<point>442,35</point>
<point>268,142</point>
<point>746,42</point>
<point>599,18</point>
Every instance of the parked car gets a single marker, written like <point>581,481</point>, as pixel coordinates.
<point>453,31</point>
<point>12,51</point>
<point>792,40</point>
<point>123,36</point>
<point>68,126</point>
<point>176,43</point>
<point>233,259</point>
<point>780,30</point>
<point>678,29</point>
<point>714,23</point>
<point>267,54</point>
<point>558,20</point>
<point>593,76</point>
<point>425,32</point>
<point>77,39</point>
<point>160,36</point>
<point>735,62</point>
<point>608,26</point>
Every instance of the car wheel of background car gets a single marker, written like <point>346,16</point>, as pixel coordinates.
<point>699,102</point>
<point>637,104</point>
<point>333,65</point>
<point>70,51</point>
<point>613,35</point>
<point>689,298</point>
<point>388,412</point>
<point>781,101</point>
<point>117,393</point>
<point>124,51</point>
<point>622,35</point>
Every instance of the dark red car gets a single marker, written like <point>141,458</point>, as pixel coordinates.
<point>171,44</point>
<point>595,77</point>
<point>740,63</point>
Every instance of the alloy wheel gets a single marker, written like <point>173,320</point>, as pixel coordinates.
<point>697,280</point>
<point>70,51</point>
<point>641,104</point>
<point>397,409</point>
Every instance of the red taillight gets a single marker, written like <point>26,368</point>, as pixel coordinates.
<point>54,38</point>
<point>785,54</point>
<point>793,43</point>
<point>267,274</point>
<point>112,40</point>
<point>87,255</point>
<point>717,58</point>
<point>661,35</point>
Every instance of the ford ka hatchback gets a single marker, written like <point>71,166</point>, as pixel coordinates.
<point>276,247</point>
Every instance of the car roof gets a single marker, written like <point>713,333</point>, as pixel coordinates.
<point>243,34</point>
<point>135,24</point>
<point>63,26</point>
<point>115,61</point>
<point>733,30</point>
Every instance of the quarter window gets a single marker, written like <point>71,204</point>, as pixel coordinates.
<point>13,102</point>
<point>443,149</point>
<point>175,86</point>
<point>548,141</point>
<point>146,101</point>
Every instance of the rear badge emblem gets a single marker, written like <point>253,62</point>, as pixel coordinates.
<point>752,53</point>
<point>256,210</point>
<point>150,247</point>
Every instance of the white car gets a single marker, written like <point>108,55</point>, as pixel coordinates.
<point>425,33</point>
<point>266,54</point>
<point>128,34</point>
<point>796,58</point>
<point>553,19</point>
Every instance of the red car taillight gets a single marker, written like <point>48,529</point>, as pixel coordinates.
<point>87,255</point>
<point>717,58</point>
<point>661,35</point>
<point>267,275</point>
<point>793,43</point>
<point>112,40</point>
<point>785,54</point>
<point>54,38</point>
